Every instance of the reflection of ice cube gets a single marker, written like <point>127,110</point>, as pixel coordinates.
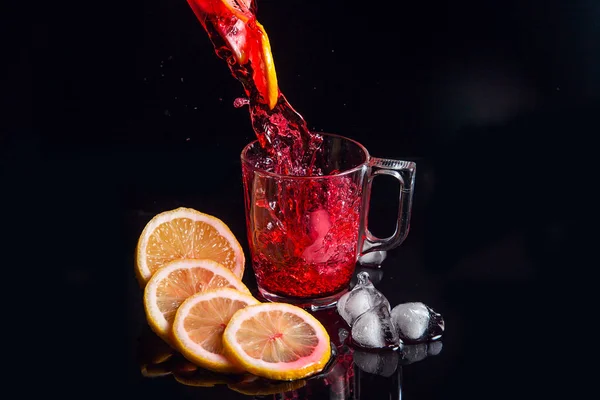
<point>372,259</point>
<point>417,323</point>
<point>361,298</point>
<point>382,363</point>
<point>374,329</point>
<point>416,352</point>
<point>413,352</point>
<point>434,348</point>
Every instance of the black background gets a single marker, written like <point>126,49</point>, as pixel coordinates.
<point>117,111</point>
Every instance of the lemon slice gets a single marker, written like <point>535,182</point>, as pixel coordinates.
<point>264,75</point>
<point>235,22</point>
<point>185,233</point>
<point>277,341</point>
<point>199,325</point>
<point>172,284</point>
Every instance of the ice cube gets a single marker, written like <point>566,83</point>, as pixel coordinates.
<point>382,363</point>
<point>361,298</point>
<point>375,275</point>
<point>372,259</point>
<point>417,323</point>
<point>373,329</point>
<point>319,224</point>
<point>353,304</point>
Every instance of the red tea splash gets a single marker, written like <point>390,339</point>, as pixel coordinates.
<point>303,234</point>
<point>240,39</point>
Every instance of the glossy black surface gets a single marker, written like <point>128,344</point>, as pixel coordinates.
<point>132,114</point>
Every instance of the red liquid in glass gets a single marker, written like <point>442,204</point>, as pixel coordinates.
<point>304,243</point>
<point>304,239</point>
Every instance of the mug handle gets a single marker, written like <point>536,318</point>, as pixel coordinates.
<point>404,172</point>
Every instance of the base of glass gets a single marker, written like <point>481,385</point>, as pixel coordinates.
<point>313,304</point>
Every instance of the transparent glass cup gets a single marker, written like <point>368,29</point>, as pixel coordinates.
<point>306,233</point>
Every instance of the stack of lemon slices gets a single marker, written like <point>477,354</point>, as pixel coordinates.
<point>191,266</point>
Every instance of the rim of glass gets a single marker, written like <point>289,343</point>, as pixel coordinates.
<point>342,173</point>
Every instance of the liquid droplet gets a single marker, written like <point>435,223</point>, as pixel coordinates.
<point>240,102</point>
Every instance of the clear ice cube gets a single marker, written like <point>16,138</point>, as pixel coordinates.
<point>374,329</point>
<point>417,323</point>
<point>361,298</point>
<point>372,259</point>
<point>375,275</point>
<point>382,363</point>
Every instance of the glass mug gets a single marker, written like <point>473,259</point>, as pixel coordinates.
<point>306,233</point>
